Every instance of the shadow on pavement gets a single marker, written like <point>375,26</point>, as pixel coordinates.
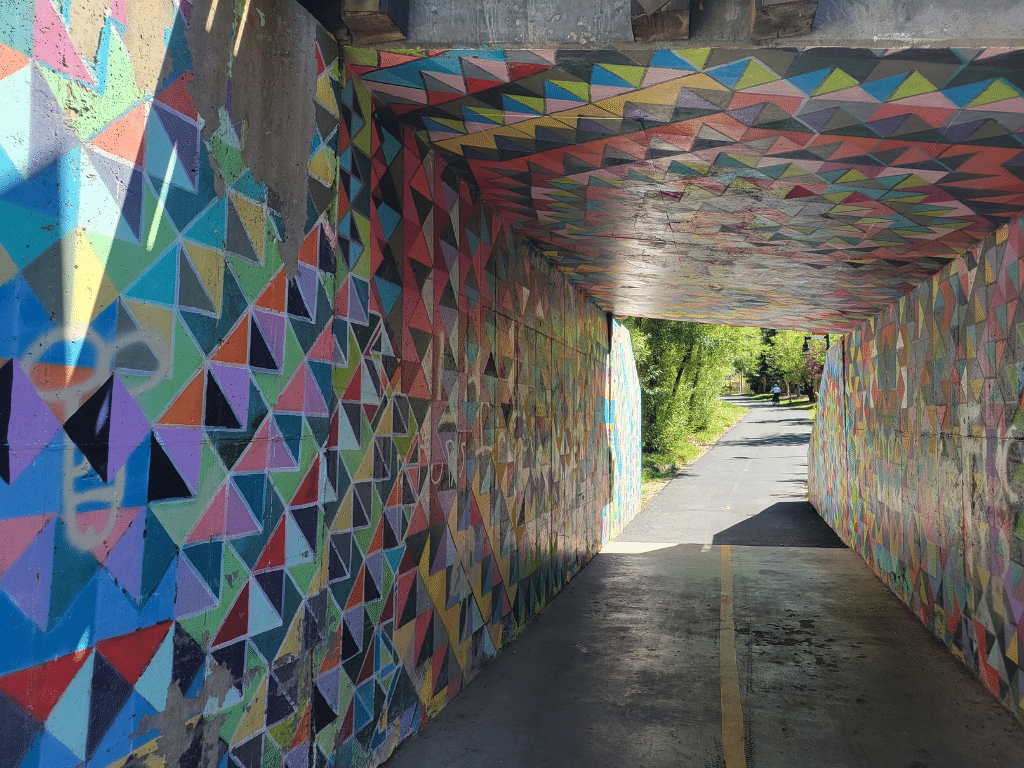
<point>784,524</point>
<point>771,440</point>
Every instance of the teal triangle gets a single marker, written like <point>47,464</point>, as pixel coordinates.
<point>159,283</point>
<point>210,228</point>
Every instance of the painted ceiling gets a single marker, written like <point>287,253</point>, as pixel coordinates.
<point>771,187</point>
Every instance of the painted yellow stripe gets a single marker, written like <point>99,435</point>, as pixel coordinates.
<point>732,709</point>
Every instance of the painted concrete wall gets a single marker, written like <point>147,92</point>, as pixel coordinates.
<point>916,458</point>
<point>294,433</point>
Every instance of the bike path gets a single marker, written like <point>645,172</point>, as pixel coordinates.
<point>726,626</point>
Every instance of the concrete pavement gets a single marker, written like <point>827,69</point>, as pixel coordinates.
<point>726,626</point>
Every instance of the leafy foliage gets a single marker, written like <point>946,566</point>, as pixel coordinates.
<point>681,367</point>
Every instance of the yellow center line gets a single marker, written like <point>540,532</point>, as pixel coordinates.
<point>732,709</point>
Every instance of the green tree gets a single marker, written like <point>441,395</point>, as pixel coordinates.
<point>681,367</point>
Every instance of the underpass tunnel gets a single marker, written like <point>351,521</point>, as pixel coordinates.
<point>314,394</point>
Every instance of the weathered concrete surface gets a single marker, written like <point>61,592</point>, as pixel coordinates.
<point>833,670</point>
<point>263,54</point>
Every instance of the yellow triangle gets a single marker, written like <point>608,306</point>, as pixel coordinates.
<point>292,645</point>
<point>320,166</point>
<point>153,317</point>
<point>209,266</point>
<point>255,717</point>
<point>253,219</point>
<point>325,94</point>
<point>87,289</point>
<point>8,268</point>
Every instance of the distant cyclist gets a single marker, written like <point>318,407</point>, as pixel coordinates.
<point>776,392</point>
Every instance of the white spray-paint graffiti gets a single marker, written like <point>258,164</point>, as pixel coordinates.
<point>83,490</point>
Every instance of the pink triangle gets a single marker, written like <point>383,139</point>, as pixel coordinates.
<point>16,535</point>
<point>211,524</point>
<point>27,582</point>
<point>184,447</point>
<point>278,455</point>
<point>99,519</point>
<point>125,560</point>
<point>255,457</point>
<point>53,45</point>
<point>32,425</point>
<point>313,403</point>
<point>323,349</point>
<point>291,399</point>
<point>239,521</point>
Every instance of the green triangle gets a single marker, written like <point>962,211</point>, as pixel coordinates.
<point>837,80</point>
<point>627,73</point>
<point>755,74</point>
<point>575,89</point>
<point>1000,90</point>
<point>914,85</point>
<point>696,56</point>
<point>155,239</point>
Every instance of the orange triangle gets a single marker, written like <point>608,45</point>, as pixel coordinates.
<point>235,348</point>
<point>187,408</point>
<point>309,249</point>
<point>10,61</point>
<point>273,296</point>
<point>355,597</point>
<point>126,137</point>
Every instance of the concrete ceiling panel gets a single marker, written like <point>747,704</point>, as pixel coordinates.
<point>799,188</point>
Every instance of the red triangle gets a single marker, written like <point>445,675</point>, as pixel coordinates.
<point>355,597</point>
<point>273,553</point>
<point>309,491</point>
<point>177,97</point>
<point>518,70</point>
<point>38,689</point>
<point>303,731</point>
<point>236,624</point>
<point>129,654</point>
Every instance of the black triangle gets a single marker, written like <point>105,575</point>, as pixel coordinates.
<point>109,694</point>
<point>308,519</point>
<point>272,584</point>
<point>89,428</point>
<point>218,411</point>
<point>325,257</point>
<point>164,480</point>
<point>296,304</point>
<point>6,392</point>
<point>260,355</point>
<point>323,715</point>
<point>348,643</point>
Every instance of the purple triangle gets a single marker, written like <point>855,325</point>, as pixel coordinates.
<point>817,121</point>
<point>28,581</point>
<point>308,284</point>
<point>691,100</point>
<point>329,684</point>
<point>32,425</point>
<point>887,125</point>
<point>356,311</point>
<point>272,328</point>
<point>129,427</point>
<point>234,383</point>
<point>193,596</point>
<point>125,560</point>
<point>961,132</point>
<point>184,447</point>
<point>747,115</point>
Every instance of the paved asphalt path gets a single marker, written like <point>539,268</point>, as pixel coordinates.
<point>726,627</point>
